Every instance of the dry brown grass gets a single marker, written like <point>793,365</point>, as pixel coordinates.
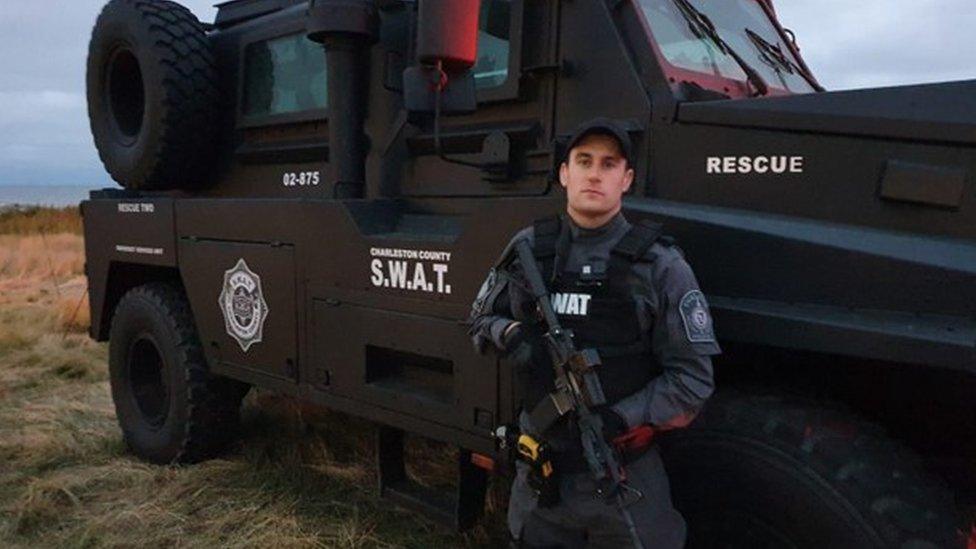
<point>40,256</point>
<point>35,220</point>
<point>299,478</point>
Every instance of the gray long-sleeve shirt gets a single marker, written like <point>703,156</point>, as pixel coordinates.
<point>670,306</point>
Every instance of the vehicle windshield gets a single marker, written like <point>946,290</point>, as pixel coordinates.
<point>745,27</point>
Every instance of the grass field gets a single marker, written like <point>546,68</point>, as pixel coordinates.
<point>299,478</point>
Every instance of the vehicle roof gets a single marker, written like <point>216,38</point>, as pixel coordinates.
<point>237,11</point>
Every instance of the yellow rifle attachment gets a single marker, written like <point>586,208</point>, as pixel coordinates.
<point>534,452</point>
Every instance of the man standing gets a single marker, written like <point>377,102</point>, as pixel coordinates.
<point>628,293</point>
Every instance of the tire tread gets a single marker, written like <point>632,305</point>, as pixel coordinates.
<point>188,110</point>
<point>213,403</point>
<point>883,480</point>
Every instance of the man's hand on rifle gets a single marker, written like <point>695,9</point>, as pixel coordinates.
<point>613,424</point>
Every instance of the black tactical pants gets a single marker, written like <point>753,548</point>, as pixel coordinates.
<point>583,519</point>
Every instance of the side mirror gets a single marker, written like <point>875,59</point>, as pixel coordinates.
<point>447,33</point>
<point>447,48</point>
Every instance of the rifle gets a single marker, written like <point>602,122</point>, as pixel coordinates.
<point>578,389</point>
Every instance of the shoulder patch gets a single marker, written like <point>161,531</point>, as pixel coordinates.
<point>696,318</point>
<point>482,303</point>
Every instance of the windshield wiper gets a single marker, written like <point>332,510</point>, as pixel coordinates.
<point>779,60</point>
<point>703,27</point>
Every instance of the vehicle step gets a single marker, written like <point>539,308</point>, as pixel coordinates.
<point>458,511</point>
<point>434,504</point>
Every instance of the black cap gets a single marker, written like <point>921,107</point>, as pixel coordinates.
<point>600,126</point>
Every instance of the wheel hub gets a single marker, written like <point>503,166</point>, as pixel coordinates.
<point>148,381</point>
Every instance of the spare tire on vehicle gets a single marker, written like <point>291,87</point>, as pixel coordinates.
<point>152,94</point>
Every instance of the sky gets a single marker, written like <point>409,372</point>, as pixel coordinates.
<point>45,138</point>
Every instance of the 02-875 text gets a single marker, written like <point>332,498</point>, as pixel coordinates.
<point>300,179</point>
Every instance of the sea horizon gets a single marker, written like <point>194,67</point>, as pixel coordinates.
<point>45,195</point>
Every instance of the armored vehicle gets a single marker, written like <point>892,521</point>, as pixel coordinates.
<point>312,193</point>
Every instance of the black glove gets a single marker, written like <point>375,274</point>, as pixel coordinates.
<point>513,335</point>
<point>517,347</point>
<point>613,424</point>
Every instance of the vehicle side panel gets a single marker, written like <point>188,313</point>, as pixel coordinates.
<point>366,301</point>
<point>208,268</point>
<point>137,231</point>
<point>827,257</point>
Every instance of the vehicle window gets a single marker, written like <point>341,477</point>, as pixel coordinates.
<point>284,75</point>
<point>734,20</point>
<point>494,43</point>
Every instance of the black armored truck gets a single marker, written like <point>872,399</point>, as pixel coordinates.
<point>313,191</point>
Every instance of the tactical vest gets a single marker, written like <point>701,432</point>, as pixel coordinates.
<point>599,305</point>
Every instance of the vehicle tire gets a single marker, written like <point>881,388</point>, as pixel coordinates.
<point>758,471</point>
<point>170,408</point>
<point>152,94</point>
